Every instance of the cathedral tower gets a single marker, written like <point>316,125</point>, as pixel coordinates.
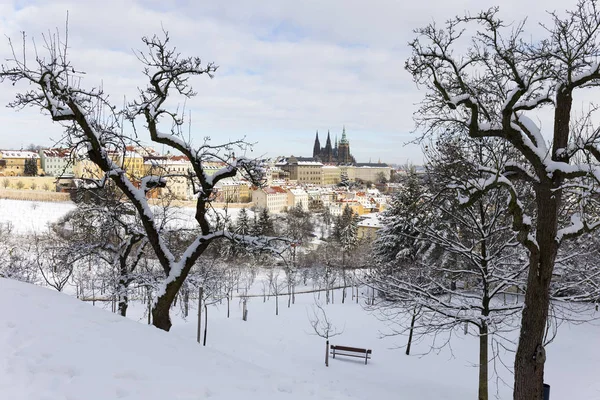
<point>317,147</point>
<point>344,156</point>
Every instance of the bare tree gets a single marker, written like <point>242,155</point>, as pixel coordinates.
<point>494,89</point>
<point>54,259</point>
<point>323,326</point>
<point>94,125</point>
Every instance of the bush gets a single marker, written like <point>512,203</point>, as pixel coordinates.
<point>6,183</point>
<point>20,185</point>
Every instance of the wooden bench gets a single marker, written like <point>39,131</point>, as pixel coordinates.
<point>351,352</point>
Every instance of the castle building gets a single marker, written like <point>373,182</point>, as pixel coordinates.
<point>340,154</point>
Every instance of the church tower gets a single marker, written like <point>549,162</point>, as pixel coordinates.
<point>328,152</point>
<point>344,149</point>
<point>317,147</point>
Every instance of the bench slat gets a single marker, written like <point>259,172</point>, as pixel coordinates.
<point>354,349</point>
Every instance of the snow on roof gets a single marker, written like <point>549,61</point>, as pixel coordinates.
<point>132,154</point>
<point>19,154</point>
<point>298,192</point>
<point>59,153</point>
<point>274,190</point>
<point>310,163</point>
<point>371,221</point>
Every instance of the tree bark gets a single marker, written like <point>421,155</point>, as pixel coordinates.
<point>530,356</point>
<point>160,311</point>
<point>483,361</point>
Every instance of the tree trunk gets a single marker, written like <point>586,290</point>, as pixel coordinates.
<point>276,304</point>
<point>123,304</point>
<point>483,361</point>
<point>200,290</point>
<point>412,327</point>
<point>122,288</point>
<point>205,323</point>
<point>531,356</point>
<point>228,301</point>
<point>149,306</point>
<point>160,312</point>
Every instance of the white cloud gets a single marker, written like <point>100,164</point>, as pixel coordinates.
<point>287,68</point>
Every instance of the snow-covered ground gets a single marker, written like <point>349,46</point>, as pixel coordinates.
<point>32,216</point>
<point>53,346</point>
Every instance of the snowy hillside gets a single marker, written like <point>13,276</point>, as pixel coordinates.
<point>53,346</point>
<point>31,216</point>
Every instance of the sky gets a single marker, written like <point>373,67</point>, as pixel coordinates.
<point>286,68</point>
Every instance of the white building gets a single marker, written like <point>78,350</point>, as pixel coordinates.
<point>57,162</point>
<point>275,198</point>
<point>298,196</point>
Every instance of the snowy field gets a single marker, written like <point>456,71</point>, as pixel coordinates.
<point>53,346</point>
<point>32,216</point>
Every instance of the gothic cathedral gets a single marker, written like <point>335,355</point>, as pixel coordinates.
<point>338,154</point>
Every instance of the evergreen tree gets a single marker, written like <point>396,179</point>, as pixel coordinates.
<point>30,168</point>
<point>348,229</point>
<point>396,241</point>
<point>265,226</point>
<point>242,225</point>
<point>298,225</point>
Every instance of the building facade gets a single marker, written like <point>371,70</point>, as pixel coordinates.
<point>57,162</point>
<point>12,162</point>
<point>274,198</point>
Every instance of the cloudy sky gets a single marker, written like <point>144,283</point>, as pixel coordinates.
<point>286,68</point>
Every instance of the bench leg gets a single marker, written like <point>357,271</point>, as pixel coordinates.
<point>366,358</point>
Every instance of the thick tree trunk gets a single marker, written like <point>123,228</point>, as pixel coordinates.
<point>531,356</point>
<point>123,304</point>
<point>483,362</point>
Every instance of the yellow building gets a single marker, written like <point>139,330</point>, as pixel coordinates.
<point>368,227</point>
<point>86,169</point>
<point>232,191</point>
<point>133,163</point>
<point>303,170</point>
<point>332,174</point>
<point>12,162</point>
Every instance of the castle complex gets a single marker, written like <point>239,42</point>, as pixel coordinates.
<point>338,154</point>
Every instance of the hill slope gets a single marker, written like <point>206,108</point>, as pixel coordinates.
<point>53,346</point>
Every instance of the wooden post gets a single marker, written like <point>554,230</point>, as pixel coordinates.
<point>327,353</point>
<point>200,290</point>
<point>244,310</point>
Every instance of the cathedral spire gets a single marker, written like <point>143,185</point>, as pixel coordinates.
<point>344,139</point>
<point>328,153</point>
<point>317,146</point>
